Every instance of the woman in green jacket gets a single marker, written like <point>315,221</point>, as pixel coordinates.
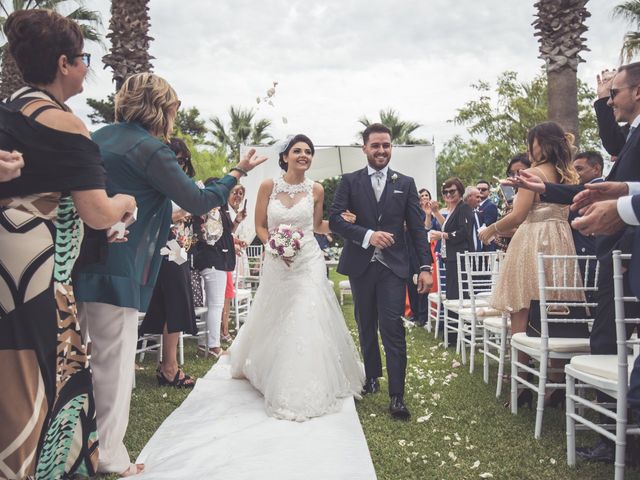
<point>139,163</point>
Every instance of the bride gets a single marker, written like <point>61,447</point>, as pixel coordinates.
<point>295,347</point>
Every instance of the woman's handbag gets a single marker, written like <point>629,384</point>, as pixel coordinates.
<point>196,287</point>
<point>558,330</point>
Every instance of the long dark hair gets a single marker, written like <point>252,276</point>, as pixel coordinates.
<point>178,147</point>
<point>556,148</point>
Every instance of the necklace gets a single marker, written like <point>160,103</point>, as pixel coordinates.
<point>291,189</point>
<point>51,97</point>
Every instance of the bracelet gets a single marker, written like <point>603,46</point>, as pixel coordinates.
<point>495,226</point>
<point>242,171</point>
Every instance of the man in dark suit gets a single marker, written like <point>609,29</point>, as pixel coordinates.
<point>611,215</point>
<point>376,260</point>
<point>624,102</point>
<point>589,165</point>
<point>488,210</point>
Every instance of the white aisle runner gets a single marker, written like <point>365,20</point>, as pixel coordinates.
<point>221,431</point>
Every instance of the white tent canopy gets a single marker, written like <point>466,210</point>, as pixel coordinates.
<point>417,161</point>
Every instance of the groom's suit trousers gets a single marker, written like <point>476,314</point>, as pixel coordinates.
<point>379,299</point>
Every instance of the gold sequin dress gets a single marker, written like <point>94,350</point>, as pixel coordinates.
<point>547,230</point>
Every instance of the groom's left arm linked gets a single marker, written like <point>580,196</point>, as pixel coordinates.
<point>337,224</point>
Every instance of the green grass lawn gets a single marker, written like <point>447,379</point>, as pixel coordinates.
<point>458,429</point>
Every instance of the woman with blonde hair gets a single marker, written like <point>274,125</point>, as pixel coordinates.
<point>111,294</point>
<point>541,227</point>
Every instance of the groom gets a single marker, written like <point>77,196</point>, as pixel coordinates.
<point>376,259</point>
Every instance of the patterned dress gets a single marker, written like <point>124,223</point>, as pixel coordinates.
<point>47,409</point>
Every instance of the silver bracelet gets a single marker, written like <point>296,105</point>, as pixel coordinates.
<point>240,170</point>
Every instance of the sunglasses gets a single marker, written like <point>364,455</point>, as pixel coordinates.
<point>615,91</point>
<point>86,58</point>
<point>450,193</point>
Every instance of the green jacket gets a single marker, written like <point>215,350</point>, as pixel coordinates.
<point>139,164</point>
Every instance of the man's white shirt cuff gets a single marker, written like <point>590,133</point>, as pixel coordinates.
<point>634,188</point>
<point>625,210</point>
<point>367,237</point>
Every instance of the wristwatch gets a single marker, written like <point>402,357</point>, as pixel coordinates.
<point>425,268</point>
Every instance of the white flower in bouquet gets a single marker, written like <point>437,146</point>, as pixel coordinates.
<point>284,241</point>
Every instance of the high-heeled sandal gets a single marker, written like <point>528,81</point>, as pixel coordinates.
<point>185,382</point>
<point>202,352</point>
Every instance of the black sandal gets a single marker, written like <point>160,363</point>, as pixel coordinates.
<point>185,382</point>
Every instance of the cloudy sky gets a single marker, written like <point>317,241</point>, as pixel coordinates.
<point>335,61</point>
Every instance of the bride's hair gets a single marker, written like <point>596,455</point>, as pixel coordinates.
<point>290,142</point>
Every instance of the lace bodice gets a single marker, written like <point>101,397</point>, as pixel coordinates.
<point>291,205</point>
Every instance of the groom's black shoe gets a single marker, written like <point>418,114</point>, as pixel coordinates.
<point>398,409</point>
<point>371,385</point>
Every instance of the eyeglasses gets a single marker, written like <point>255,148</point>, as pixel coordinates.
<point>615,91</point>
<point>86,58</point>
<point>450,193</point>
<point>483,189</point>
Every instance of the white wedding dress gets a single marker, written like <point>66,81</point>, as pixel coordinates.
<point>295,347</point>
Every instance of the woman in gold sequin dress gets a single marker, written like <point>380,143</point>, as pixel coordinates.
<point>542,227</point>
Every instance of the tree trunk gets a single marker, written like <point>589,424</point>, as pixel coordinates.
<point>562,95</point>
<point>10,76</point>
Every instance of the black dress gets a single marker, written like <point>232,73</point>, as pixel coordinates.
<point>172,299</point>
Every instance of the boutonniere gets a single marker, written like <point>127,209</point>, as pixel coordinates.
<point>394,177</point>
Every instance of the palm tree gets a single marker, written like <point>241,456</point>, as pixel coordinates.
<point>89,21</point>
<point>129,28</point>
<point>629,11</point>
<point>243,130</point>
<point>559,26</point>
<point>401,131</point>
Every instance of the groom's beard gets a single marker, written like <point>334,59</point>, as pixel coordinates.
<point>378,161</point>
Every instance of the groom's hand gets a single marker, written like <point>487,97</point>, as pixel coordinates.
<point>381,239</point>
<point>425,281</point>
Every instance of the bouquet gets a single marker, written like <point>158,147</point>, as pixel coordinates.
<point>284,242</point>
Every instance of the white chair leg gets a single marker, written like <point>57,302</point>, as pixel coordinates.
<point>621,437</point>
<point>472,348</point>
<point>437,326</point>
<point>502,354</point>
<point>571,424</point>
<point>485,356</point>
<point>514,382</point>
<point>143,348</point>
<point>542,388</point>
<point>160,351</point>
<point>460,348</point>
<point>445,327</point>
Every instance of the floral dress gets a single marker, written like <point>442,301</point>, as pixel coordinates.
<point>47,408</point>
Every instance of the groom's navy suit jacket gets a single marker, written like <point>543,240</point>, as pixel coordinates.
<point>399,205</point>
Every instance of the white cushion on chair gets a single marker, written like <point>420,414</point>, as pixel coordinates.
<point>435,296</point>
<point>344,285</point>
<point>454,304</point>
<point>242,293</point>
<point>605,366</point>
<point>495,323</point>
<point>481,312</point>
<point>561,345</point>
